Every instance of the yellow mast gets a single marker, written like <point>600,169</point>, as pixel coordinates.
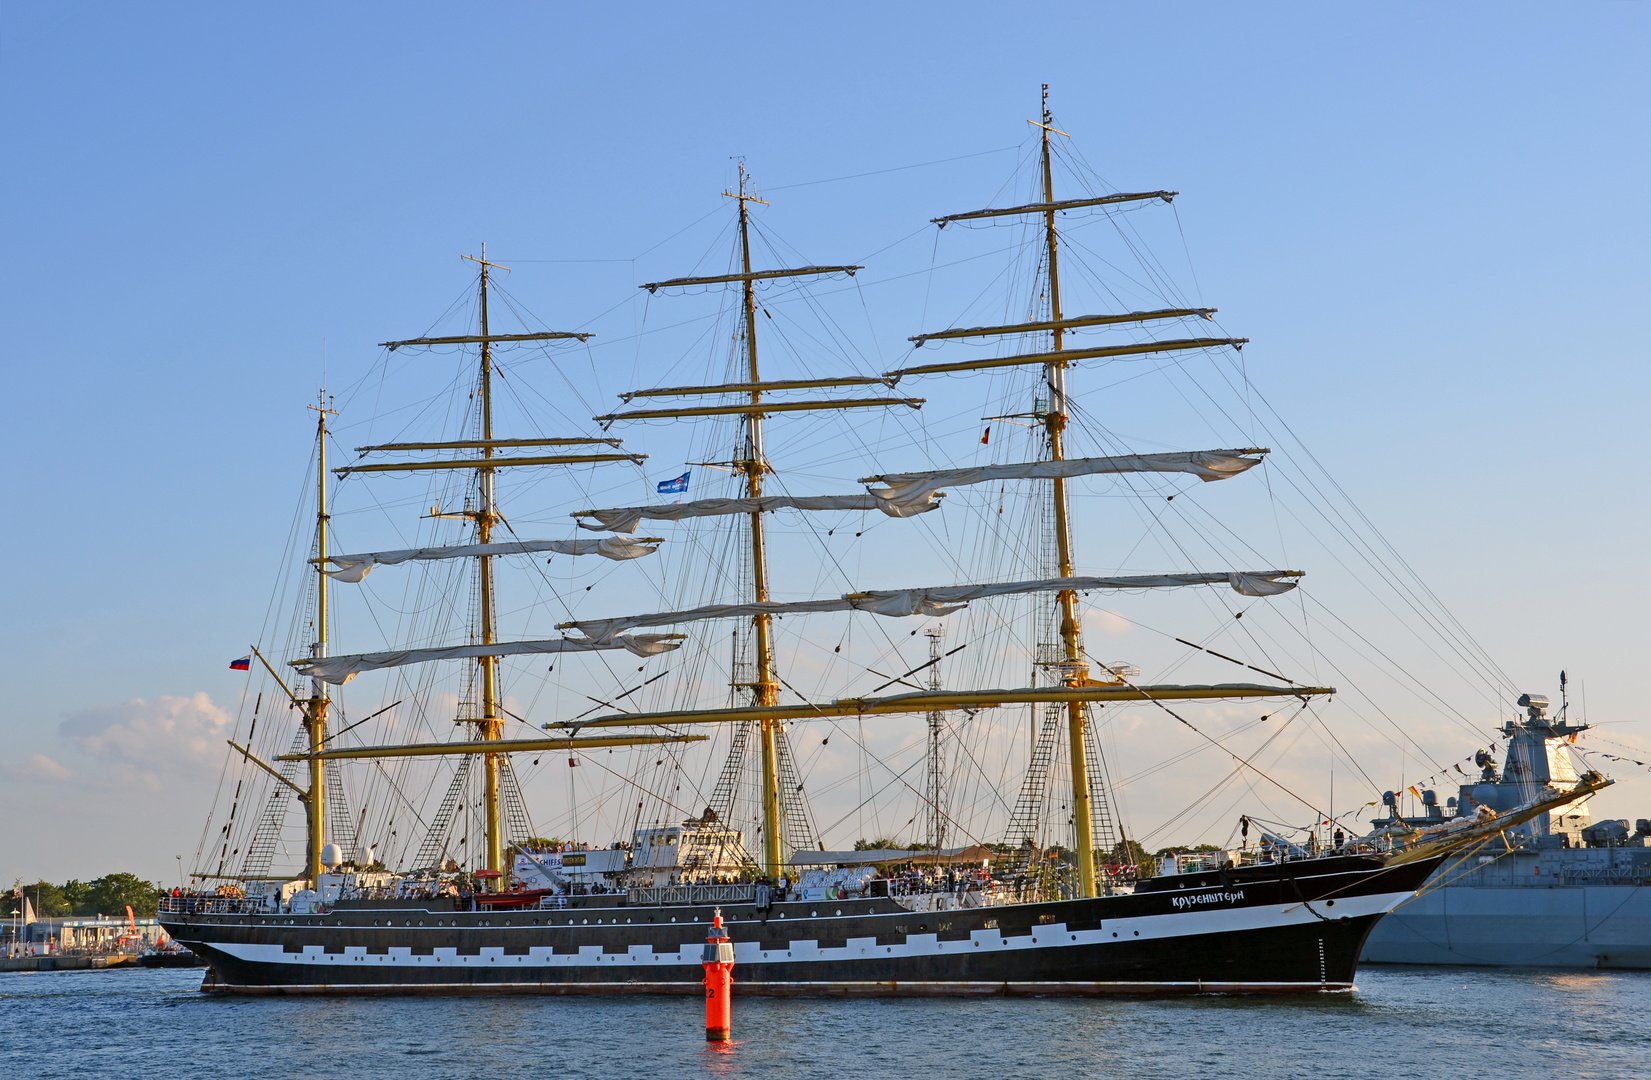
<point>767,689</point>
<point>316,708</point>
<point>490,726</point>
<point>1074,671</point>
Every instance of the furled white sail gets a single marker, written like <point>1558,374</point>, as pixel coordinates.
<point>942,600</point>
<point>353,568</point>
<point>909,494</point>
<point>913,490</point>
<point>625,519</point>
<point>341,669</point>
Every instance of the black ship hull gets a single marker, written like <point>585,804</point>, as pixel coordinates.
<point>1293,928</point>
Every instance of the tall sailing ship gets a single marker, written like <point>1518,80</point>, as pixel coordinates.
<point>1057,901</point>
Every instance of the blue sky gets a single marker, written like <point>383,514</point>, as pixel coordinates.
<point>1432,222</point>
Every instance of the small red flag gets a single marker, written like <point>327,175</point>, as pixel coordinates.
<point>986,438</point>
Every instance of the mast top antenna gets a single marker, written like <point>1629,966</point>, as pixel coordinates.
<point>1048,117</point>
<point>741,195</point>
<point>483,260</point>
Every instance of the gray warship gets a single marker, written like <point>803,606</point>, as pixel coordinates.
<point>1561,891</point>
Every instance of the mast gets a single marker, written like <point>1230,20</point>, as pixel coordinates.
<point>1073,670</point>
<point>316,708</point>
<point>490,725</point>
<point>752,406</point>
<point>767,690</point>
<point>488,741</point>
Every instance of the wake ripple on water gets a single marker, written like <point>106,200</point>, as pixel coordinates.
<point>1441,1024</point>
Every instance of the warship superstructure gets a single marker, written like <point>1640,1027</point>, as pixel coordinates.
<point>1560,891</point>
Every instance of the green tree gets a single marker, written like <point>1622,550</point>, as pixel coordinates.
<point>46,899</point>
<point>1186,849</point>
<point>107,895</point>
<point>78,894</point>
<point>881,844</point>
<point>1129,853</point>
<point>113,893</point>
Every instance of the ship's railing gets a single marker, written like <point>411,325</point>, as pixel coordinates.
<point>1204,861</point>
<point>1605,875</point>
<point>1497,875</point>
<point>212,905</point>
<point>693,894</point>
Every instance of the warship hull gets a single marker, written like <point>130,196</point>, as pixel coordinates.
<point>1291,928</point>
<point>1576,909</point>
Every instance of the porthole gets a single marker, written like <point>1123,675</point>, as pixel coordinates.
<point>839,911</point>
<point>421,922</point>
<point>1137,933</point>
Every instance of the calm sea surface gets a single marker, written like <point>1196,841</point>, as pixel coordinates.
<point>1400,1025</point>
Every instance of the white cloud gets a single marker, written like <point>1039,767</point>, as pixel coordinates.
<point>148,740</point>
<point>127,752</point>
<point>39,768</point>
<point>1099,620</point>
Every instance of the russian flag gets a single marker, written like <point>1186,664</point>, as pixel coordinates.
<point>673,487</point>
<point>243,664</point>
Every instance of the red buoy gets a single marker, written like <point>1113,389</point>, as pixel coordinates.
<point>719,983</point>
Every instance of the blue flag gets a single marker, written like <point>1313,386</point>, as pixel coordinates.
<point>674,487</point>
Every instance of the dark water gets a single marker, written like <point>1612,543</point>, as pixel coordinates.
<point>1400,1025</point>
